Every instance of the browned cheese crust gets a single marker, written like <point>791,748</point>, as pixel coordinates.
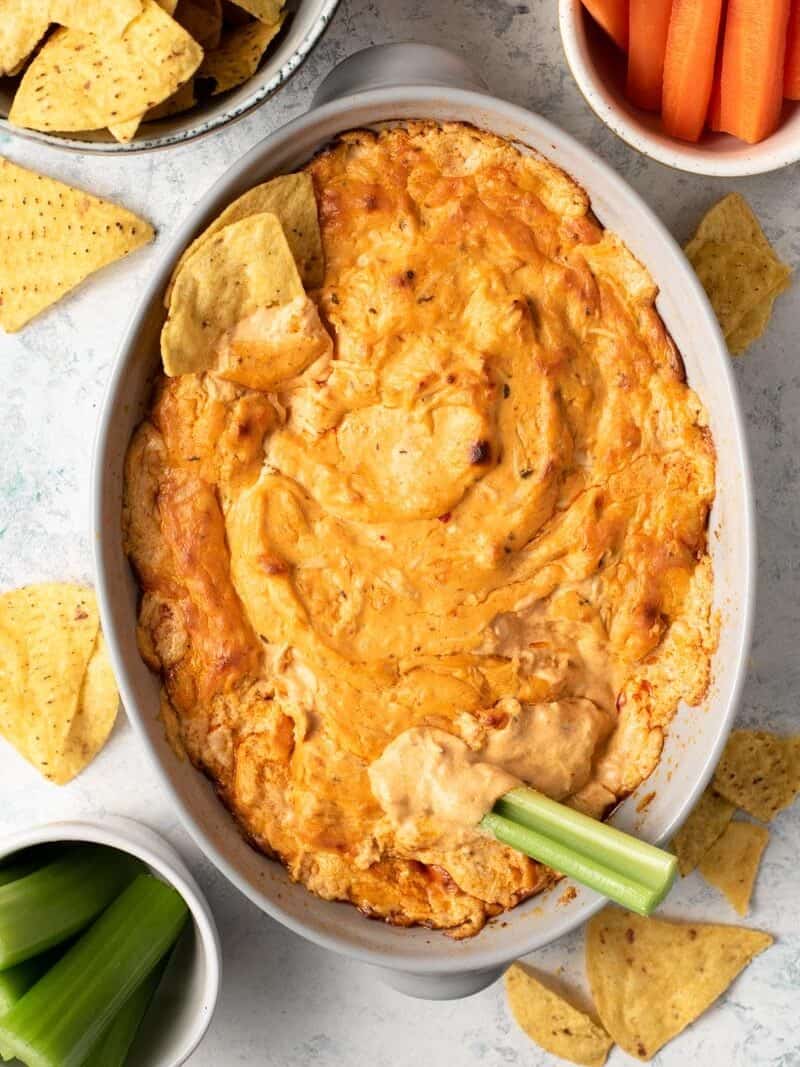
<point>489,507</point>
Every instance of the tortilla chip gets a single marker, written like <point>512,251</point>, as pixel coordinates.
<point>792,752</point>
<point>47,635</point>
<point>95,715</point>
<point>232,15</point>
<point>184,96</point>
<point>758,773</point>
<point>202,19</point>
<point>181,100</point>
<point>52,237</point>
<point>552,1022</point>
<point>730,219</point>
<point>22,25</point>
<point>238,55</point>
<point>205,27</point>
<point>272,345</point>
<point>268,11</point>
<point>738,269</point>
<point>755,322</point>
<point>290,197</point>
<point>126,131</point>
<point>105,18</point>
<point>706,823</point>
<point>246,266</point>
<point>732,864</point>
<point>650,978</point>
<point>80,81</point>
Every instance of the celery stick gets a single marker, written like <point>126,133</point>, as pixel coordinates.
<point>588,871</point>
<point>113,1047</point>
<point>16,870</point>
<point>597,840</point>
<point>48,906</point>
<point>16,981</point>
<point>58,1021</point>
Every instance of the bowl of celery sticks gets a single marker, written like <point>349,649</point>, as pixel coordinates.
<point>109,955</point>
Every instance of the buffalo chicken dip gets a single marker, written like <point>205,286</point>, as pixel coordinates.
<point>427,526</point>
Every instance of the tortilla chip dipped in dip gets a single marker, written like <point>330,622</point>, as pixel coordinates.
<point>650,978</point>
<point>224,302</point>
<point>52,237</point>
<point>419,518</point>
<point>58,697</point>
<point>291,199</point>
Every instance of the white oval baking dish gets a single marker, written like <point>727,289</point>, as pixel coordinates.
<point>380,85</point>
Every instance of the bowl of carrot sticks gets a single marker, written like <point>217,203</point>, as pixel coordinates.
<point>109,956</point>
<point>707,86</point>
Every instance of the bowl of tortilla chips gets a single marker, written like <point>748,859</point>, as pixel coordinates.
<point>133,75</point>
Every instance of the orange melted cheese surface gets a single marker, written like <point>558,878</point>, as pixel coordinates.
<point>480,513</point>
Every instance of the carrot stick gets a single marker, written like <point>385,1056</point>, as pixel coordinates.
<point>791,74</point>
<point>714,121</point>
<point>648,22</point>
<point>752,67</point>
<point>689,66</point>
<point>613,17</point>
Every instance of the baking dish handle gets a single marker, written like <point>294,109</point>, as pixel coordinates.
<point>391,66</point>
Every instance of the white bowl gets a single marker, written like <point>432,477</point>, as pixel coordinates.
<point>416,960</point>
<point>598,69</point>
<point>187,995</point>
<point>306,22</point>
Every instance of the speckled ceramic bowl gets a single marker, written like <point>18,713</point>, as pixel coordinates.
<point>306,22</point>
<point>372,88</point>
<point>600,75</point>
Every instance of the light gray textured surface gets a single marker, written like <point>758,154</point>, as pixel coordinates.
<point>285,1002</point>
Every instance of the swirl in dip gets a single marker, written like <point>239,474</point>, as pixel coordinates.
<point>465,547</point>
